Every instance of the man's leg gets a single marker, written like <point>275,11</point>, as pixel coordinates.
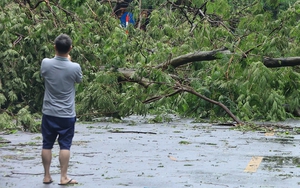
<point>49,137</point>
<point>64,157</point>
<point>46,159</point>
<point>65,141</point>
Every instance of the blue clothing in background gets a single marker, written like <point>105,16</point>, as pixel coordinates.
<point>123,19</point>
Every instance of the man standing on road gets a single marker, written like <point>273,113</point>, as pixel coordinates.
<point>59,116</point>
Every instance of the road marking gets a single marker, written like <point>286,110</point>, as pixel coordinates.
<point>253,164</point>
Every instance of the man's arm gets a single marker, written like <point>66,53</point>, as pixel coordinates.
<point>78,75</point>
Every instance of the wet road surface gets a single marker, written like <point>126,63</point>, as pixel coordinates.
<point>169,155</point>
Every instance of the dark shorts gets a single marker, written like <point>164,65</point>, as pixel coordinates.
<point>56,126</point>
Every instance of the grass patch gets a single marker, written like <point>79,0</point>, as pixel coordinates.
<point>177,131</point>
<point>183,142</point>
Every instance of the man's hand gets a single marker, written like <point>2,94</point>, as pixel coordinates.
<point>69,57</point>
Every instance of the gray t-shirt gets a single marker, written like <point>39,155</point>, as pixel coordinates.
<point>60,76</point>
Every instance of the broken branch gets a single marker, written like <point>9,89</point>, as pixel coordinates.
<point>196,56</point>
<point>281,62</point>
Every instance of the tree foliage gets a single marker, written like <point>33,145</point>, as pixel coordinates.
<point>251,30</point>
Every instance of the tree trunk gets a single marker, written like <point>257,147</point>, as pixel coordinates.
<point>281,62</point>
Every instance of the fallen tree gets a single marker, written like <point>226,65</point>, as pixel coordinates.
<point>157,59</point>
<point>127,75</point>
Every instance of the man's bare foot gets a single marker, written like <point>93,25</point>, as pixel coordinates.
<point>70,181</point>
<point>47,180</point>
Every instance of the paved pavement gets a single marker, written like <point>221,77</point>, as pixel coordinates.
<point>171,155</point>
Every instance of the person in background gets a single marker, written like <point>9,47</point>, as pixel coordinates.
<point>145,18</point>
<point>121,11</point>
<point>127,18</point>
<point>59,116</point>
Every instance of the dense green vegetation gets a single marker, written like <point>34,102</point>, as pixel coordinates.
<point>250,29</point>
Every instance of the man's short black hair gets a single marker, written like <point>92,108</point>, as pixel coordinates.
<point>63,43</point>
